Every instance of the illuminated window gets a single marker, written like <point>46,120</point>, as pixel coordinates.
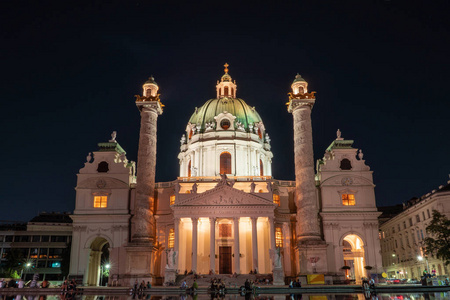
<point>278,237</point>
<point>172,199</point>
<point>226,91</point>
<point>348,199</point>
<point>276,199</point>
<point>225,163</point>
<point>100,201</point>
<point>189,169</point>
<point>171,242</point>
<point>261,168</point>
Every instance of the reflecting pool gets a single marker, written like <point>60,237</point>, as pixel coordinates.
<point>368,296</point>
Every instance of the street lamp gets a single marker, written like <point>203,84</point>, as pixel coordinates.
<point>107,266</point>
<point>420,258</point>
<point>27,265</point>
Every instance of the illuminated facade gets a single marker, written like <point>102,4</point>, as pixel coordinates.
<point>225,213</point>
<point>402,237</point>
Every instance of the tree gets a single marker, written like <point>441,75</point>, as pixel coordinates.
<point>14,262</point>
<point>438,242</point>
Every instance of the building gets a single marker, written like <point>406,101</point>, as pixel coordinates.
<point>402,237</point>
<point>225,213</point>
<point>42,243</point>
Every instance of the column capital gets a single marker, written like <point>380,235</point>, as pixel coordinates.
<point>236,219</point>
<point>194,220</point>
<point>212,219</point>
<point>149,104</point>
<point>254,219</point>
<point>296,103</point>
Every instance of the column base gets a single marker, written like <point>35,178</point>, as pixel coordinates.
<point>139,263</point>
<point>312,255</point>
<point>170,275</point>
<point>278,276</point>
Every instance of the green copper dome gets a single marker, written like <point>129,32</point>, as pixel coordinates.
<point>235,106</point>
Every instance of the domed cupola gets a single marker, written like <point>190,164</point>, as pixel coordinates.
<point>299,86</point>
<point>225,126</point>
<point>150,88</point>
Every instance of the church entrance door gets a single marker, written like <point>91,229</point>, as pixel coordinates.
<point>225,260</point>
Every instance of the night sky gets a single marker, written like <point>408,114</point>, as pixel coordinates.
<point>69,73</point>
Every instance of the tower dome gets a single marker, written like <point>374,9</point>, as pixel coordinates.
<point>225,126</point>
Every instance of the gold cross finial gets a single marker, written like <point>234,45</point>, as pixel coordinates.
<point>226,67</point>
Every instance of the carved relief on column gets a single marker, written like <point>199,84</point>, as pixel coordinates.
<point>143,220</point>
<point>307,210</point>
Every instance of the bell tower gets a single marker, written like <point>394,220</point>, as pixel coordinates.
<point>226,87</point>
<point>310,246</point>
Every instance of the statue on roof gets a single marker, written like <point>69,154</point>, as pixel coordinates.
<point>338,134</point>
<point>113,137</point>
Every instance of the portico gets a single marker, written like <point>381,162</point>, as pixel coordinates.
<point>224,230</point>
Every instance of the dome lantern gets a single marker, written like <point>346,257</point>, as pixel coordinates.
<point>226,87</point>
<point>299,85</point>
<point>150,88</point>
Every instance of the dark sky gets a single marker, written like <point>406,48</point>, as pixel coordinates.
<point>69,71</point>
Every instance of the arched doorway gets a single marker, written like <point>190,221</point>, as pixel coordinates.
<point>98,265</point>
<point>353,257</point>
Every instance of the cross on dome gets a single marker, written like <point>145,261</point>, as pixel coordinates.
<point>226,68</point>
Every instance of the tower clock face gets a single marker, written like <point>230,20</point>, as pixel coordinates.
<point>346,181</point>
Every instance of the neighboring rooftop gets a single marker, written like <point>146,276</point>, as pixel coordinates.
<point>53,217</point>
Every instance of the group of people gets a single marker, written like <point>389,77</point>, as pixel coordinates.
<point>217,285</point>
<point>295,284</point>
<point>190,289</point>
<point>69,286</point>
<point>20,284</point>
<point>366,283</point>
<point>139,288</point>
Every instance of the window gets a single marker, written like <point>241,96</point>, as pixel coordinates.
<point>225,91</point>
<point>225,124</point>
<point>55,252</point>
<point>393,230</point>
<point>261,168</point>
<point>103,167</point>
<point>421,234</point>
<point>45,238</point>
<point>410,222</point>
<point>172,199</point>
<point>428,213</point>
<point>59,238</point>
<point>404,224</point>
<point>348,199</point>
<point>418,235</point>
<point>423,215</point>
<point>276,199</point>
<point>149,92</point>
<point>224,230</point>
<point>225,163</point>
<point>346,164</point>
<point>278,237</point>
<point>100,201</point>
<point>189,169</point>
<point>398,227</point>
<point>41,264</point>
<point>36,238</point>
<point>171,240</point>
<point>34,252</point>
<point>43,253</point>
<point>417,218</point>
<point>413,237</point>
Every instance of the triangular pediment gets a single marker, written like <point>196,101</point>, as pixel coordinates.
<point>225,196</point>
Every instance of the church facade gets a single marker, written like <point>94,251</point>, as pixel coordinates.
<point>225,213</point>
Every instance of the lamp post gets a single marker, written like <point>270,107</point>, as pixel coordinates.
<point>107,266</point>
<point>27,265</point>
<point>420,258</point>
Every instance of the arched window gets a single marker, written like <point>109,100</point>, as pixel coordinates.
<point>276,199</point>
<point>189,169</point>
<point>148,93</point>
<point>225,163</point>
<point>300,90</point>
<point>278,237</point>
<point>103,167</point>
<point>346,164</point>
<point>172,199</point>
<point>225,91</point>
<point>232,92</point>
<point>261,168</point>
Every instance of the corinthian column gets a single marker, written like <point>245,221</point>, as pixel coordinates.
<point>300,105</point>
<point>143,223</point>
